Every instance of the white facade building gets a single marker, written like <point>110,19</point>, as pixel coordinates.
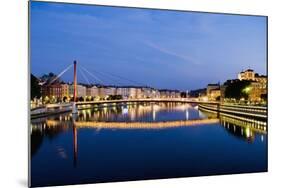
<point>92,91</point>
<point>81,90</point>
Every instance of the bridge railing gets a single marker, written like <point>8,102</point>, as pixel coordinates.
<point>252,111</point>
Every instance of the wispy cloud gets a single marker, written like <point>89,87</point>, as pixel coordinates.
<point>186,58</point>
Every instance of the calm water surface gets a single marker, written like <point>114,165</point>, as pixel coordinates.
<point>89,151</point>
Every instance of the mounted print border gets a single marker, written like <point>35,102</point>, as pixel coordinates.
<point>127,93</point>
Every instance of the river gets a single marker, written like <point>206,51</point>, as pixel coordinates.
<point>142,141</point>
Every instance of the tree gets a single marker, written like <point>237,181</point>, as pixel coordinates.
<point>34,87</point>
<point>238,89</point>
<point>114,97</point>
<point>89,98</point>
<point>264,97</point>
<point>183,94</point>
<point>48,78</point>
<point>59,100</point>
<point>64,99</point>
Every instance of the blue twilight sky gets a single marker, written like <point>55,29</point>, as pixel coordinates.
<point>162,49</point>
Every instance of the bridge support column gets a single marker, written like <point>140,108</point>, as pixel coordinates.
<point>74,108</point>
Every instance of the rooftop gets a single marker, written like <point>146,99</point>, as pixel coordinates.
<point>213,85</point>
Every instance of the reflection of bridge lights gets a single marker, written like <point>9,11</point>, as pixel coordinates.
<point>84,114</point>
<point>186,114</point>
<point>89,112</point>
<point>154,115</point>
<point>155,107</point>
<point>124,110</point>
<point>262,138</point>
<point>105,109</point>
<point>248,132</point>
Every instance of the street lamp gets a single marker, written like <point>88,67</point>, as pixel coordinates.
<point>247,89</point>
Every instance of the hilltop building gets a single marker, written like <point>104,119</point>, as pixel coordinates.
<point>248,74</point>
<point>258,86</point>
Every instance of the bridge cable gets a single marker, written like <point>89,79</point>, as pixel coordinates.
<point>60,74</point>
<point>95,77</point>
<point>84,76</point>
<point>119,77</point>
<point>112,79</point>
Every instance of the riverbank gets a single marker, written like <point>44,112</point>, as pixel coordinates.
<point>257,112</point>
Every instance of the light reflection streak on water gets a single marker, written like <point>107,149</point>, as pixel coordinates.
<point>137,111</point>
<point>186,114</point>
<point>132,112</point>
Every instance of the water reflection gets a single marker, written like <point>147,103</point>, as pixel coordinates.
<point>140,116</point>
<point>71,131</point>
<point>239,131</point>
<point>75,140</point>
<point>135,112</point>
